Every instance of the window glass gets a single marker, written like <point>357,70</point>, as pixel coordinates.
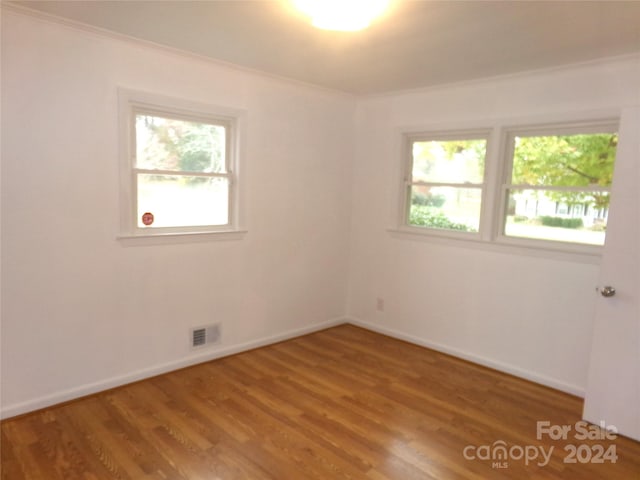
<point>171,144</point>
<point>564,160</point>
<point>564,187</point>
<point>181,173</point>
<point>455,161</point>
<point>445,190</point>
<point>180,201</point>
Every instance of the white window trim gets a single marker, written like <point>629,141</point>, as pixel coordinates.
<point>407,179</point>
<point>132,102</point>
<point>497,167</point>
<point>504,184</point>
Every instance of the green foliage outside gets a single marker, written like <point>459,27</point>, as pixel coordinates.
<point>567,161</point>
<point>429,200</point>
<point>455,162</point>
<point>562,222</point>
<point>450,161</point>
<point>195,148</point>
<point>473,149</point>
<point>183,146</point>
<point>424,216</point>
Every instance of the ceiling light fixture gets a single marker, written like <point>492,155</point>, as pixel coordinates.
<point>341,15</point>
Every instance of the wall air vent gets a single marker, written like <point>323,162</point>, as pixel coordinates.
<point>207,335</point>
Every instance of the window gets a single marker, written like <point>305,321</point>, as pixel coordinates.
<point>179,167</point>
<point>548,186</point>
<point>445,181</point>
<point>558,183</point>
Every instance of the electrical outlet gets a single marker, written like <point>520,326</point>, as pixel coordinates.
<point>380,304</point>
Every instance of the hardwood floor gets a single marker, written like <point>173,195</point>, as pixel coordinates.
<point>344,403</point>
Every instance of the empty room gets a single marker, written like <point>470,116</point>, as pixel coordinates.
<point>291,240</point>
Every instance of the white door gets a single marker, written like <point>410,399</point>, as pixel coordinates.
<point>613,386</point>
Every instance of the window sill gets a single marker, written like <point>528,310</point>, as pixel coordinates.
<point>131,240</point>
<point>504,246</point>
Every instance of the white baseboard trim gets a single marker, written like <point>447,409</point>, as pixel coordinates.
<point>486,362</point>
<point>102,385</point>
<point>96,387</point>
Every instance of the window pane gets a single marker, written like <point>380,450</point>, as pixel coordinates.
<point>182,201</point>
<point>564,160</point>
<point>448,208</point>
<point>451,161</point>
<point>578,217</point>
<point>170,144</point>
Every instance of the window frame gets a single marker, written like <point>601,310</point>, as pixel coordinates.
<point>133,103</point>
<point>497,171</point>
<point>605,125</point>
<point>409,138</point>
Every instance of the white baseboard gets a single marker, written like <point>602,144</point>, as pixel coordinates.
<point>486,362</point>
<point>96,387</point>
<point>99,386</point>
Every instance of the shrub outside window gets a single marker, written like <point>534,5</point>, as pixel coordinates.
<point>558,184</point>
<point>444,184</point>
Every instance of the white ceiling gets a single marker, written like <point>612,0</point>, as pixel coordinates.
<point>417,44</point>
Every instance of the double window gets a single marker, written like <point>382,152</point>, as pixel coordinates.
<point>179,169</point>
<point>552,184</point>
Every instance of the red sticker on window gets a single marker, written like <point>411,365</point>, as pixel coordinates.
<point>147,218</point>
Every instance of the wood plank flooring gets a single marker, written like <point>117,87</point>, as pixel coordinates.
<point>344,403</point>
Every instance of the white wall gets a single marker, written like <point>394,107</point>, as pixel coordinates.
<point>523,313</point>
<point>82,311</point>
